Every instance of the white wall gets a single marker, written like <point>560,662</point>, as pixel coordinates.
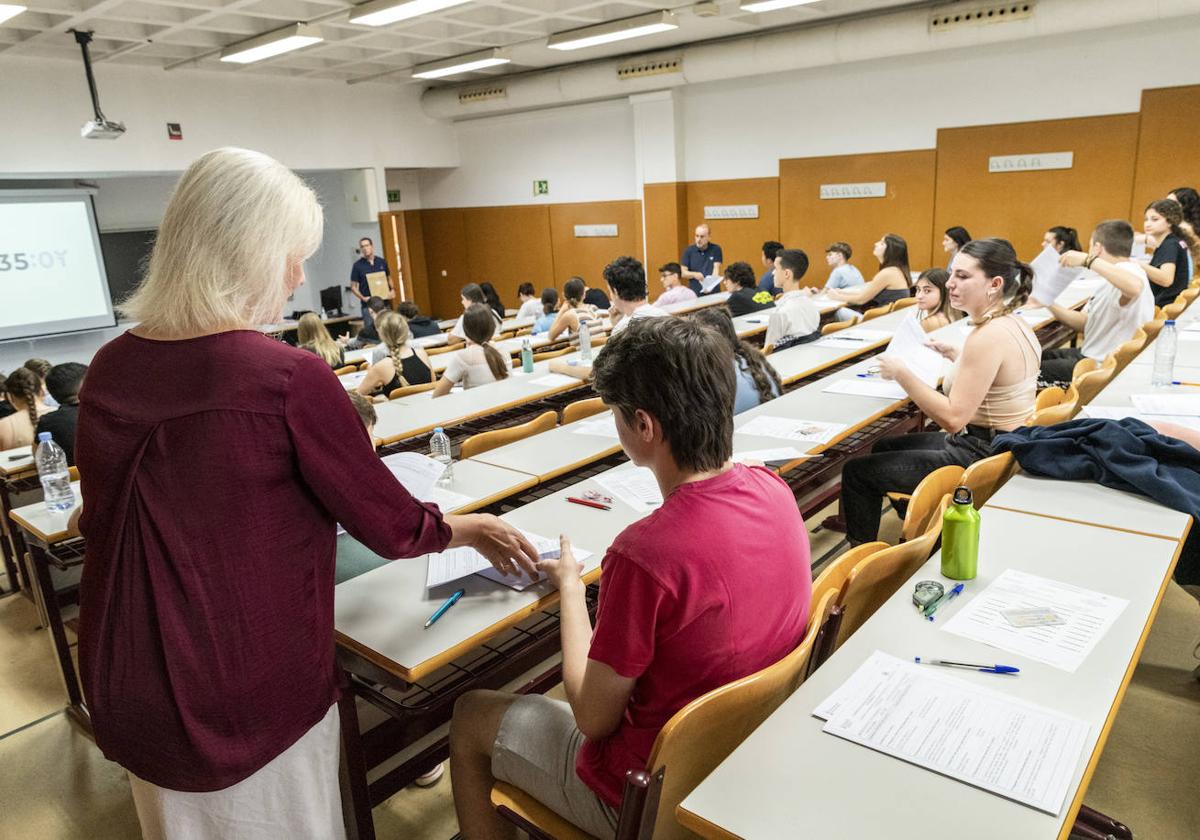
<point>585,151</point>
<point>305,123</point>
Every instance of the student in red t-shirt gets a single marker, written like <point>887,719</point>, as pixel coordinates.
<point>711,587</point>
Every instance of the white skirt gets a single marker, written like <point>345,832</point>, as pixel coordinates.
<point>295,796</point>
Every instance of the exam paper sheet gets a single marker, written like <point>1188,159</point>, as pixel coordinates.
<point>1185,405</point>
<point>785,428</point>
<point>883,388</point>
<point>1049,278</point>
<point>1108,412</point>
<point>853,337</point>
<point>637,488</point>
<point>604,425</point>
<point>908,345</point>
<point>455,563</point>
<point>781,453</point>
<point>418,473</point>
<point>1087,616</point>
<point>959,728</point>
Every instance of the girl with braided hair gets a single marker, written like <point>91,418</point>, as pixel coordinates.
<point>757,381</point>
<point>24,389</point>
<point>402,366</point>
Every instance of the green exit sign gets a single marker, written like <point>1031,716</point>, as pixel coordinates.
<point>541,188</point>
<point>393,196</point>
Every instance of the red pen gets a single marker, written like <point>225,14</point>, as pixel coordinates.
<point>588,503</point>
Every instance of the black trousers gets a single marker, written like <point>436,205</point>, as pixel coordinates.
<point>897,465</point>
<point>1057,365</point>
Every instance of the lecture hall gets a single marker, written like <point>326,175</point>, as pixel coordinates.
<point>576,420</point>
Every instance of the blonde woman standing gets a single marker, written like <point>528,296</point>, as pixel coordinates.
<point>402,366</point>
<point>214,464</point>
<point>311,335</point>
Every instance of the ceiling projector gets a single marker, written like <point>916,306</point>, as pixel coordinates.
<point>102,130</point>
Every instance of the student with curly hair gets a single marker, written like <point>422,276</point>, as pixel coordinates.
<point>744,295</point>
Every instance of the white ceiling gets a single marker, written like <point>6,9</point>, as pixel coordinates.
<point>167,33</point>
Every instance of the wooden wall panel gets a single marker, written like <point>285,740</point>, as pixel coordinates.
<point>1170,122</point>
<point>445,244</point>
<point>740,239</point>
<point>508,246</point>
<point>666,222</point>
<point>1020,206</point>
<point>811,223</point>
<point>587,256</point>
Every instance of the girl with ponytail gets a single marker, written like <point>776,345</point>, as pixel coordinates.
<point>756,380</point>
<point>24,389</point>
<point>479,362</point>
<point>988,389</point>
<point>402,366</point>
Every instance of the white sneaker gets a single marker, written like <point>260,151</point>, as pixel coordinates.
<point>431,778</point>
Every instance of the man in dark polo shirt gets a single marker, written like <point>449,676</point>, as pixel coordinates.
<point>701,260</point>
<point>368,263</point>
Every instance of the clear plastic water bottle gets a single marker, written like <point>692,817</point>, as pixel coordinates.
<point>585,341</point>
<point>526,356</point>
<point>439,450</point>
<point>52,472</point>
<point>1164,355</point>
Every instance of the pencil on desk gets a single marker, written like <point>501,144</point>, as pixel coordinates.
<point>1193,384</point>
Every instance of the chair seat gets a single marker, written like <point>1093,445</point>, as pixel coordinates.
<point>526,808</point>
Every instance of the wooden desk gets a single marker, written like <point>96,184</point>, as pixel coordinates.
<point>16,471</point>
<point>804,782</point>
<point>552,453</point>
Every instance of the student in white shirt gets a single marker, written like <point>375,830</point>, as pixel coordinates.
<point>531,304</point>
<point>675,290</point>
<point>479,362</point>
<point>627,291</point>
<point>471,294</point>
<point>1115,311</point>
<point>795,319</point>
<point>843,275</point>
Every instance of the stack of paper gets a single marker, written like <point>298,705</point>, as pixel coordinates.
<point>418,473</point>
<point>1050,278</point>
<point>804,431</point>
<point>636,487</point>
<point>1086,617</point>
<point>909,345</point>
<point>457,563</point>
<point>969,732</point>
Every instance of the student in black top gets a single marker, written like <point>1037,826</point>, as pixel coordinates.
<point>1168,268</point>
<point>492,299</point>
<point>63,382</point>
<point>745,297</point>
<point>419,325</point>
<point>593,296</point>
<point>403,366</point>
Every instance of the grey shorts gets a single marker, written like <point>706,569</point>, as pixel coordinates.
<point>535,751</point>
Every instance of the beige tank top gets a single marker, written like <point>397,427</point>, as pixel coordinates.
<point>1008,406</point>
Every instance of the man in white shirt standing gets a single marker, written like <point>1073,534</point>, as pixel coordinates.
<point>795,319</point>
<point>627,289</point>
<point>1116,310</point>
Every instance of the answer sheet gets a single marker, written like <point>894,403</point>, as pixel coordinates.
<point>1049,278</point>
<point>637,488</point>
<point>853,337</point>
<point>350,381</point>
<point>604,425</point>
<point>1086,615</point>
<point>908,345</point>
<point>802,431</point>
<point>961,729</point>
<point>1108,412</point>
<point>456,563</point>
<point>883,388</point>
<point>1187,405</point>
<point>554,380</point>
<point>782,453</point>
<point>546,547</point>
<point>418,473</point>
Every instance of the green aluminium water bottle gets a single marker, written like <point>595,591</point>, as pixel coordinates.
<point>960,537</point>
<point>527,356</point>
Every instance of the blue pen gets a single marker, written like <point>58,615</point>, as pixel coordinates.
<point>987,669</point>
<point>945,599</point>
<point>450,602</point>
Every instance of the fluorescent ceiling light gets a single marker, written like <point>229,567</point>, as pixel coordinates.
<point>772,5</point>
<point>7,11</point>
<point>616,30</point>
<point>383,12</point>
<point>271,44</point>
<point>461,64</point>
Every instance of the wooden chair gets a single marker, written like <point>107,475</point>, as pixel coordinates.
<point>344,369</point>
<point>1125,352</point>
<point>691,745</point>
<point>364,365</point>
<point>482,442</point>
<point>1152,328</point>
<point>552,354</point>
<point>1048,397</point>
<point>837,326</point>
<point>445,348</point>
<point>984,477</point>
<point>581,409</point>
<point>768,349</point>
<point>904,303</point>
<point>1174,310</point>
<point>523,331</point>
<point>1189,294</point>
<point>926,498</point>
<point>831,580</point>
<point>876,578</point>
<point>1092,383</point>
<point>1084,365</point>
<point>877,312</point>
<point>405,390</point>
<point>1058,413</point>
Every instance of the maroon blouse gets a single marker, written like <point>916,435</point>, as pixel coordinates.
<point>214,471</point>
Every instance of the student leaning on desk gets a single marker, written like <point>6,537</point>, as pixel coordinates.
<point>711,587</point>
<point>215,465</point>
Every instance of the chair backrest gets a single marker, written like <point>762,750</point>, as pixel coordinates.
<point>344,369</point>
<point>983,477</point>
<point>581,409</point>
<point>1174,310</point>
<point>482,442</point>
<point>1152,328</point>
<point>1189,294</point>
<point>833,577</point>
<point>904,303</point>
<point>836,326</point>
<point>704,732</point>
<point>1084,365</point>
<point>1048,397</point>
<point>1091,384</point>
<point>404,390</point>
<point>926,498</point>
<point>768,349</point>
<point>877,312</point>
<point>1125,351</point>
<point>876,578</point>
<point>364,365</point>
<point>553,354</point>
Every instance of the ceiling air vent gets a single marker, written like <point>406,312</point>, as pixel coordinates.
<point>482,94</point>
<point>650,67</point>
<point>956,15</point>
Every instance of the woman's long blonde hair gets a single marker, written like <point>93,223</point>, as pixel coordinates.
<point>235,221</point>
<point>311,334</point>
<point>394,333</point>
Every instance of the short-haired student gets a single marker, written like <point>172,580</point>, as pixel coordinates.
<point>795,319</point>
<point>711,587</point>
